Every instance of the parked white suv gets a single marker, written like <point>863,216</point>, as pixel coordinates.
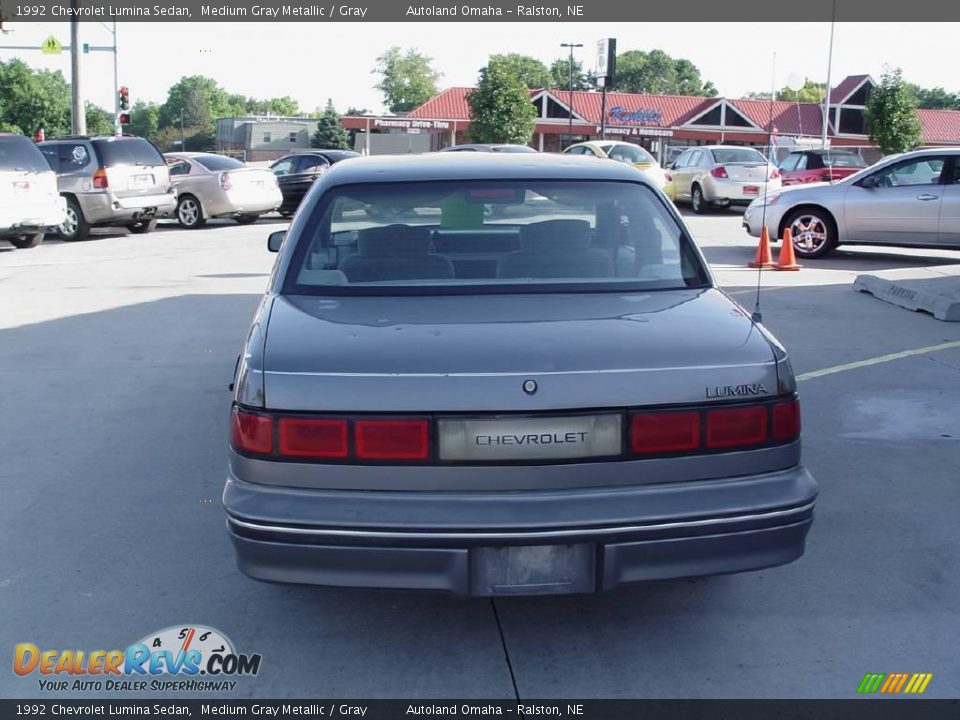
<point>110,181</point>
<point>29,201</point>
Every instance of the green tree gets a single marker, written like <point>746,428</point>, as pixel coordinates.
<point>529,71</point>
<point>407,80</point>
<point>689,81</point>
<point>935,98</point>
<point>99,121</point>
<point>560,75</point>
<point>31,99</point>
<point>330,133</point>
<point>657,73</point>
<point>891,115</point>
<point>500,107</point>
<point>144,119</point>
<point>811,92</point>
<point>200,99</point>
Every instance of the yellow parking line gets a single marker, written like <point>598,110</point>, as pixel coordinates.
<point>878,360</point>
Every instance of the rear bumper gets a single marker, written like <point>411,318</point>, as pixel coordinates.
<point>33,218</point>
<point>106,208</point>
<point>237,202</point>
<point>582,541</point>
<point>735,192</point>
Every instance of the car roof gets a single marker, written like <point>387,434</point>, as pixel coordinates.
<point>476,166</point>
<point>193,154</point>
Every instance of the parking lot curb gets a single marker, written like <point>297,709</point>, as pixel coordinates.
<point>938,296</point>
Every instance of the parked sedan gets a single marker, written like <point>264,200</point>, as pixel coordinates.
<point>810,166</point>
<point>560,402</point>
<point>720,176</point>
<point>216,186</point>
<point>296,174</point>
<point>624,152</point>
<point>912,199</point>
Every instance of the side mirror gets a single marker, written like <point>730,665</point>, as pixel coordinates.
<point>275,240</point>
<point>869,182</point>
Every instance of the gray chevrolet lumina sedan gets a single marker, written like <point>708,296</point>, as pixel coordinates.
<point>551,398</point>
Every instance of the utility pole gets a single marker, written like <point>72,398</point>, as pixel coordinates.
<point>826,96</point>
<point>78,112</point>
<point>570,109</point>
<point>183,137</point>
<point>117,127</point>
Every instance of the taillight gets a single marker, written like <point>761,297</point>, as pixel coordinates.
<point>309,438</point>
<point>719,172</point>
<point>664,432</point>
<point>392,439</point>
<point>251,433</point>
<point>786,421</point>
<point>668,176</point>
<point>100,179</point>
<point>736,427</point>
<point>225,181</point>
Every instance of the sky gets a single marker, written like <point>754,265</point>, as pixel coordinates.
<point>311,62</point>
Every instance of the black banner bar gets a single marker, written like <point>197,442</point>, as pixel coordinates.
<point>474,11</point>
<point>855,709</point>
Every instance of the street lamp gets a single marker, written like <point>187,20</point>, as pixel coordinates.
<point>570,109</point>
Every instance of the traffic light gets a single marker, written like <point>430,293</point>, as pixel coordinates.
<point>124,118</point>
<point>124,98</point>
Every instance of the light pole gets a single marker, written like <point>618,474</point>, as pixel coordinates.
<point>826,96</point>
<point>183,138</point>
<point>570,109</point>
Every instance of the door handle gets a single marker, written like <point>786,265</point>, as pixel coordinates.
<point>928,196</point>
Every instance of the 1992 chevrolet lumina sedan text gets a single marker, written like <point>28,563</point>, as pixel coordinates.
<point>551,398</point>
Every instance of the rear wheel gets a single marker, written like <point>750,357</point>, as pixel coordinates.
<point>142,227</point>
<point>75,227</point>
<point>27,241</point>
<point>246,219</point>
<point>814,232</point>
<point>697,202</point>
<point>189,212</point>
<point>285,213</point>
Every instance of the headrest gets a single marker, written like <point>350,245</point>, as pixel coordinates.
<point>394,241</point>
<point>556,236</point>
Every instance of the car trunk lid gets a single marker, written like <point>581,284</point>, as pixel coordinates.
<point>475,353</point>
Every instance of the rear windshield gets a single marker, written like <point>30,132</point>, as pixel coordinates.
<point>127,151</point>
<point>218,162</point>
<point>727,156</point>
<point>495,236</point>
<point>629,154</point>
<point>19,153</point>
<point>843,160</point>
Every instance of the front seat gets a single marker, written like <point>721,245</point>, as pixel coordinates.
<point>556,249</point>
<point>395,252</point>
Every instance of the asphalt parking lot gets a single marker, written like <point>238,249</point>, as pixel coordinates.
<point>116,355</point>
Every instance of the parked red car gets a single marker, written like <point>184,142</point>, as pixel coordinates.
<point>810,166</point>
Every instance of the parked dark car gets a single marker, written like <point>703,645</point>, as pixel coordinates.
<point>810,166</point>
<point>560,402</point>
<point>296,174</point>
<point>489,147</point>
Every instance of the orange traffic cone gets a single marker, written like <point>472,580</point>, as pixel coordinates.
<point>762,259</point>
<point>788,260</point>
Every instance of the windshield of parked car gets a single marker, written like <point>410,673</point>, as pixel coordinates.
<point>492,236</point>
<point>216,163</point>
<point>729,156</point>
<point>18,153</point>
<point>629,154</point>
<point>127,151</point>
<point>843,160</point>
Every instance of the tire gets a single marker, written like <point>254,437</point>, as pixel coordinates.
<point>29,240</point>
<point>142,227</point>
<point>697,203</point>
<point>75,228</point>
<point>190,212</point>
<point>814,232</point>
<point>247,219</point>
<point>285,213</point>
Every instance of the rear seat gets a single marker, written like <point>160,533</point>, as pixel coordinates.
<point>556,249</point>
<point>395,252</point>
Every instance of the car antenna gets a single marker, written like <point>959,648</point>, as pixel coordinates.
<point>756,316</point>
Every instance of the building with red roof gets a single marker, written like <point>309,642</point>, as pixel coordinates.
<point>660,121</point>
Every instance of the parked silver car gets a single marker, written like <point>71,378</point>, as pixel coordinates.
<point>109,181</point>
<point>214,186</point>
<point>29,200</point>
<point>912,199</point>
<point>561,401</point>
<point>720,176</point>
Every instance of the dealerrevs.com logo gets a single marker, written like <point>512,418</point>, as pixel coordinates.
<point>183,657</point>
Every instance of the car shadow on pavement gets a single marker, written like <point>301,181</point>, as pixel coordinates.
<point>115,426</point>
